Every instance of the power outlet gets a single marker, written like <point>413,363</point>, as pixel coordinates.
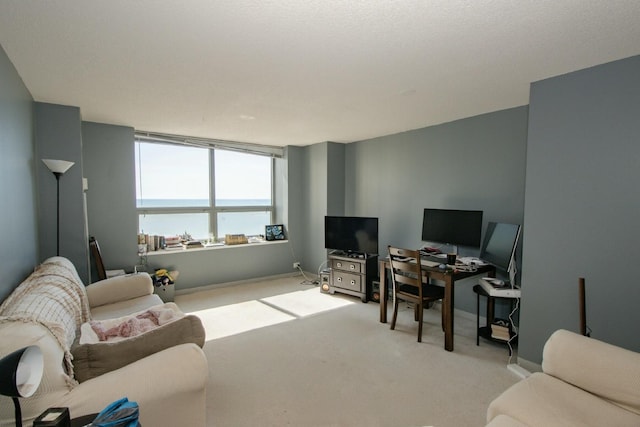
<point>296,265</point>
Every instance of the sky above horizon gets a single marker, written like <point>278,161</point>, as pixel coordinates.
<point>177,172</point>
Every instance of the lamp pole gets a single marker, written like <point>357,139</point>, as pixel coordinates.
<point>58,167</point>
<point>17,411</point>
<point>58,175</point>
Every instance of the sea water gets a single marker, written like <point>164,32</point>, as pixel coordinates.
<point>196,224</point>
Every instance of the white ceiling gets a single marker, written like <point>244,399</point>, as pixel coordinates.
<point>298,72</point>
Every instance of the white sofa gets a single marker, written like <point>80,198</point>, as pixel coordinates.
<point>585,382</point>
<point>48,309</point>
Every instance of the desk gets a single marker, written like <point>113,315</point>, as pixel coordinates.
<point>449,277</point>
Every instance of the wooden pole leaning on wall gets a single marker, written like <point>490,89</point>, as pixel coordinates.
<point>582,304</point>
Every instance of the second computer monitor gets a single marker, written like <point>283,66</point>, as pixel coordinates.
<point>499,245</point>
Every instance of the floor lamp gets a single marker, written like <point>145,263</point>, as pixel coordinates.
<point>58,167</point>
<point>20,375</point>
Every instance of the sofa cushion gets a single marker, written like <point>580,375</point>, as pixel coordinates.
<point>92,358</point>
<point>542,400</point>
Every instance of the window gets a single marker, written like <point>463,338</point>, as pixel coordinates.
<point>203,192</point>
<point>243,191</point>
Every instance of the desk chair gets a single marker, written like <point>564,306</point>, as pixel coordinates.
<point>409,284</point>
<point>97,256</point>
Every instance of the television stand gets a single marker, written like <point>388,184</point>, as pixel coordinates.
<point>353,275</point>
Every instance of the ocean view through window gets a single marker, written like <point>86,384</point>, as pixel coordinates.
<point>202,192</point>
<point>197,224</point>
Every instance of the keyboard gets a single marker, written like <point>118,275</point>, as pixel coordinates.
<point>433,257</point>
<point>428,263</point>
<point>499,291</point>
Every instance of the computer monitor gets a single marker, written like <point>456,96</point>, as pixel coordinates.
<point>499,247</point>
<point>452,227</point>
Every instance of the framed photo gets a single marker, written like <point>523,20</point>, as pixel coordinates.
<point>274,232</point>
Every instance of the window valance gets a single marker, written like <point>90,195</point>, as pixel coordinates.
<point>245,147</point>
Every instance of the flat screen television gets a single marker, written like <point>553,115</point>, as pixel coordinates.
<point>452,227</point>
<point>351,234</point>
<point>499,247</point>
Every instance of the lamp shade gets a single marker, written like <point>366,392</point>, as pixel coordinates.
<point>21,372</point>
<point>58,166</point>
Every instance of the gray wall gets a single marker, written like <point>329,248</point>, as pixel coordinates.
<point>298,205</point>
<point>582,206</point>
<point>292,207</point>
<point>108,152</point>
<point>58,136</point>
<point>314,177</point>
<point>474,163</point>
<point>323,175</point>
<point>224,265</point>
<point>335,187</point>
<point>18,223</point>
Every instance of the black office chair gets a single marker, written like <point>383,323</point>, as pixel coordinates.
<point>409,284</point>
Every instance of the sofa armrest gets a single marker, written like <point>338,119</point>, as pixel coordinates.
<point>119,288</point>
<point>605,370</point>
<point>169,386</point>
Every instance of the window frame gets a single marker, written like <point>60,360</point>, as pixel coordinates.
<point>213,210</point>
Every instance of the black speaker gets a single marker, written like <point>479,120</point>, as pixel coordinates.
<point>375,291</point>
<point>324,281</point>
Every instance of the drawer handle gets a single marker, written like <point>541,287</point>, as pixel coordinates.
<point>353,282</point>
<point>353,267</point>
<point>339,264</point>
<point>339,279</point>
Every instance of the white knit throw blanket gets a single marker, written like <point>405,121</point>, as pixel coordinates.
<point>55,297</point>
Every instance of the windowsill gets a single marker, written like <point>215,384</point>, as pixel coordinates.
<point>213,247</point>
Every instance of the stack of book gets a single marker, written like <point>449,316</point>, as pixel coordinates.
<point>152,242</point>
<point>500,330</point>
<point>192,244</point>
<point>173,242</point>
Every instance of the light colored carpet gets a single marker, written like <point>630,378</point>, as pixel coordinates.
<point>341,366</point>
<point>306,303</point>
<point>234,319</point>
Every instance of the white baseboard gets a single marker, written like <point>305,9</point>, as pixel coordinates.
<point>529,366</point>
<point>518,370</point>
<point>238,282</point>
<point>469,316</point>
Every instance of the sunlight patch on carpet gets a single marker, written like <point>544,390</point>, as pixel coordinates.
<point>306,303</point>
<point>233,319</point>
